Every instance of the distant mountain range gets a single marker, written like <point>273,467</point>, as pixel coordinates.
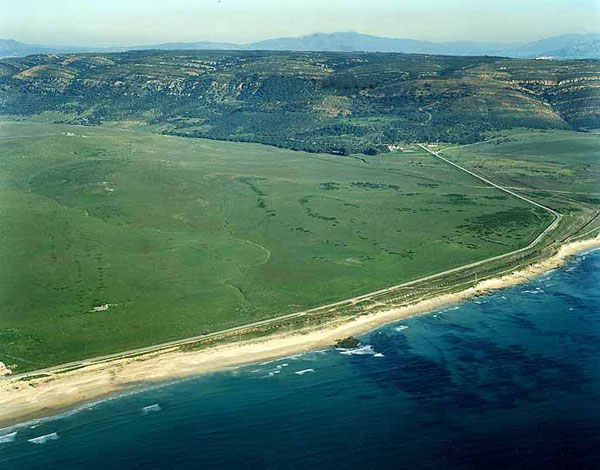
<point>572,46</point>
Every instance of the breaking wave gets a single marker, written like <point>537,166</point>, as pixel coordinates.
<point>366,350</point>
<point>537,290</point>
<point>449,309</point>
<point>151,408</point>
<point>45,438</point>
<point>8,437</point>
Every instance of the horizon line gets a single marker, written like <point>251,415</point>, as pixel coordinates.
<point>159,43</point>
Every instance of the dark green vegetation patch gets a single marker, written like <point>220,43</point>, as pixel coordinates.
<point>319,102</point>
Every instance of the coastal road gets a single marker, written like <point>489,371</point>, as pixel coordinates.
<point>354,300</point>
<point>557,216</point>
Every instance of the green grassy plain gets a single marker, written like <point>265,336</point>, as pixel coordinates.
<point>560,168</point>
<point>186,236</point>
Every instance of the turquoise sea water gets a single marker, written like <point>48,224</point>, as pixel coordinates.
<point>511,380</point>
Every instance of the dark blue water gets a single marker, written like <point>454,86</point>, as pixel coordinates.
<point>511,380</point>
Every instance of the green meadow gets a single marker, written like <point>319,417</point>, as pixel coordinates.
<point>560,168</point>
<point>184,236</point>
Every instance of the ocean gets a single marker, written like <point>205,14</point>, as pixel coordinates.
<point>507,381</point>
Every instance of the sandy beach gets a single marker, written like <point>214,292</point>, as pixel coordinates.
<point>22,400</point>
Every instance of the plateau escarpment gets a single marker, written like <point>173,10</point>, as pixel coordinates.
<point>332,102</point>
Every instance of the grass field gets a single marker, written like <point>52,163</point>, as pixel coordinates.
<point>186,236</point>
<point>559,167</point>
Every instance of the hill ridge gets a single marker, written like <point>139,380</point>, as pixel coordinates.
<point>567,46</point>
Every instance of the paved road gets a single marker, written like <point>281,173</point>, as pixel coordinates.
<point>171,344</point>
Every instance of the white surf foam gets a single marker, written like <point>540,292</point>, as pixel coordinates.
<point>304,371</point>
<point>265,363</point>
<point>8,437</point>
<point>88,406</point>
<point>151,408</point>
<point>400,328</point>
<point>537,290</point>
<point>449,309</point>
<point>45,438</point>
<point>584,254</point>
<point>378,355</point>
<point>366,350</point>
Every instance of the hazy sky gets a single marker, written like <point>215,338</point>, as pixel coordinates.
<point>129,22</point>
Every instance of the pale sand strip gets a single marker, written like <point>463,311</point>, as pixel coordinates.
<point>22,400</point>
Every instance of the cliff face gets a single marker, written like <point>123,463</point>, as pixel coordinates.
<point>314,101</point>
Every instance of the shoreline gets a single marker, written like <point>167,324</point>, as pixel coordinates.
<point>43,397</point>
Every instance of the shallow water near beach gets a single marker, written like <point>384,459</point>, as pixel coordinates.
<point>510,380</point>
